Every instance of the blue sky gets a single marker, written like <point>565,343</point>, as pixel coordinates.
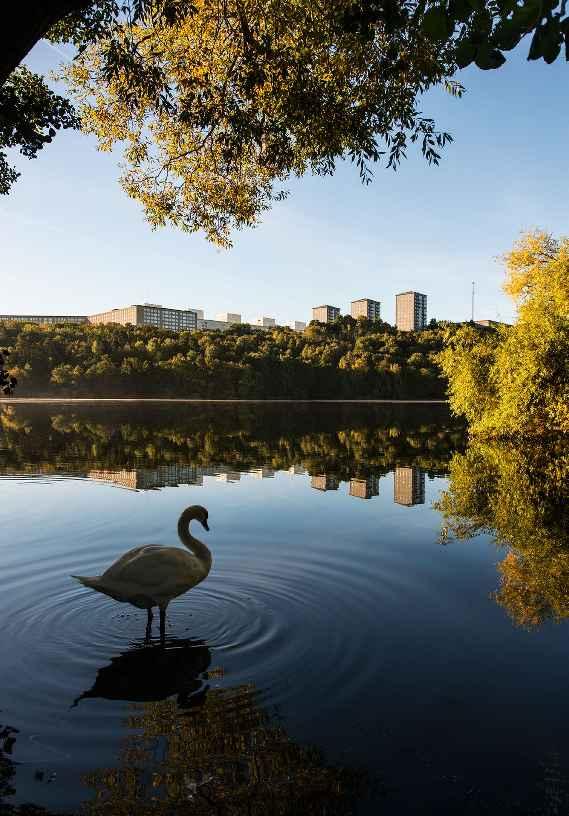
<point>73,242</point>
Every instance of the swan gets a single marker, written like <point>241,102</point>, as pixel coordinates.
<point>153,575</point>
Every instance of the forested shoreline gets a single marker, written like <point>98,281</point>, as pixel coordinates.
<point>348,359</point>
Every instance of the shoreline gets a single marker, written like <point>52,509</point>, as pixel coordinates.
<point>191,400</point>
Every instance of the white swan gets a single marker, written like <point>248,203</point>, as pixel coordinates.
<point>153,575</point>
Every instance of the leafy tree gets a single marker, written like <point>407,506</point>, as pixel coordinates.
<point>219,102</point>
<point>7,380</point>
<point>515,381</point>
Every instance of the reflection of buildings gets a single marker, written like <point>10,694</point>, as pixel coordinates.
<point>297,470</point>
<point>324,482</point>
<point>230,476</point>
<point>150,478</point>
<point>364,488</point>
<point>409,486</point>
<point>262,473</point>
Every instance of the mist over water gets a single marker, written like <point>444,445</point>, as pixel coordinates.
<point>346,654</point>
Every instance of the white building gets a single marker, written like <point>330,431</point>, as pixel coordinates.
<point>229,317</point>
<point>265,322</point>
<point>298,325</point>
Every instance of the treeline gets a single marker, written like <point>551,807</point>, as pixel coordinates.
<point>347,359</point>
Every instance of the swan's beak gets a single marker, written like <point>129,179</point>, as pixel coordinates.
<point>205,525</point>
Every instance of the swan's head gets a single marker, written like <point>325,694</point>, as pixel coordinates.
<point>199,513</point>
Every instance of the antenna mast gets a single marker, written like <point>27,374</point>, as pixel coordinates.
<point>472,309</point>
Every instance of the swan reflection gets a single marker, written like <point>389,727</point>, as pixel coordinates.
<point>153,575</point>
<point>150,673</point>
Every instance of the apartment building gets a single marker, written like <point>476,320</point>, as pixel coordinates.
<point>410,311</point>
<point>229,317</point>
<point>409,486</point>
<point>298,325</point>
<point>366,307</point>
<point>326,313</point>
<point>45,319</point>
<point>150,314</point>
<point>265,322</point>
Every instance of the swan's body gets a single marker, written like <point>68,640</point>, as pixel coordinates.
<point>152,575</point>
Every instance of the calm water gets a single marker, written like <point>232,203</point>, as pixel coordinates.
<point>345,654</point>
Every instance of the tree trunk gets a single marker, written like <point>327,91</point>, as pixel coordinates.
<point>25,24</point>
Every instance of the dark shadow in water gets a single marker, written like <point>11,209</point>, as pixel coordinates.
<point>149,673</point>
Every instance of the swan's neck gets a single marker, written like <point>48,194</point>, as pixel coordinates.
<point>196,546</point>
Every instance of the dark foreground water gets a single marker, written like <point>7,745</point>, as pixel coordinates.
<point>353,650</point>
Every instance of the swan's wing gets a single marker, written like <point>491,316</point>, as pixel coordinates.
<point>116,569</point>
<point>152,567</point>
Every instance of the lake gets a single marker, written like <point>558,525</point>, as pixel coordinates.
<point>365,642</point>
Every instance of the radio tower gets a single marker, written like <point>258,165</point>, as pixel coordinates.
<point>472,304</point>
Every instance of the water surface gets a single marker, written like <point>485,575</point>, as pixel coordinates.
<point>345,654</point>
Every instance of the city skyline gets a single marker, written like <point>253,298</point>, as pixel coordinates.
<point>405,226</point>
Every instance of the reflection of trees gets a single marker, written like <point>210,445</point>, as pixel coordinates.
<point>520,494</point>
<point>224,757</point>
<point>344,442</point>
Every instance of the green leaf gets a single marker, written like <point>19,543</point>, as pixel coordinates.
<point>507,35</point>
<point>489,58</point>
<point>436,24</point>
<point>465,53</point>
<point>459,10</point>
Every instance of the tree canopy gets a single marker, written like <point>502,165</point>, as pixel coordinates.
<point>217,103</point>
<point>349,358</point>
<point>515,381</point>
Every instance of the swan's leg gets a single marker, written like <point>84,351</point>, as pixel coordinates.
<point>163,622</point>
<point>149,624</point>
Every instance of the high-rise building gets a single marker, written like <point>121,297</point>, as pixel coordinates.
<point>364,488</point>
<point>45,319</point>
<point>365,307</point>
<point>409,486</point>
<point>325,314</point>
<point>150,314</point>
<point>411,311</point>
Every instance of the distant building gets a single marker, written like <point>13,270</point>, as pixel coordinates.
<point>325,314</point>
<point>45,319</point>
<point>409,486</point>
<point>364,488</point>
<point>212,325</point>
<point>411,311</point>
<point>265,322</point>
<point>298,325</point>
<point>150,314</point>
<point>491,324</point>
<point>365,307</point>
<point>324,482</point>
<point>229,317</point>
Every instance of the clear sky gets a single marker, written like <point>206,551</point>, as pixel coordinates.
<point>72,241</point>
